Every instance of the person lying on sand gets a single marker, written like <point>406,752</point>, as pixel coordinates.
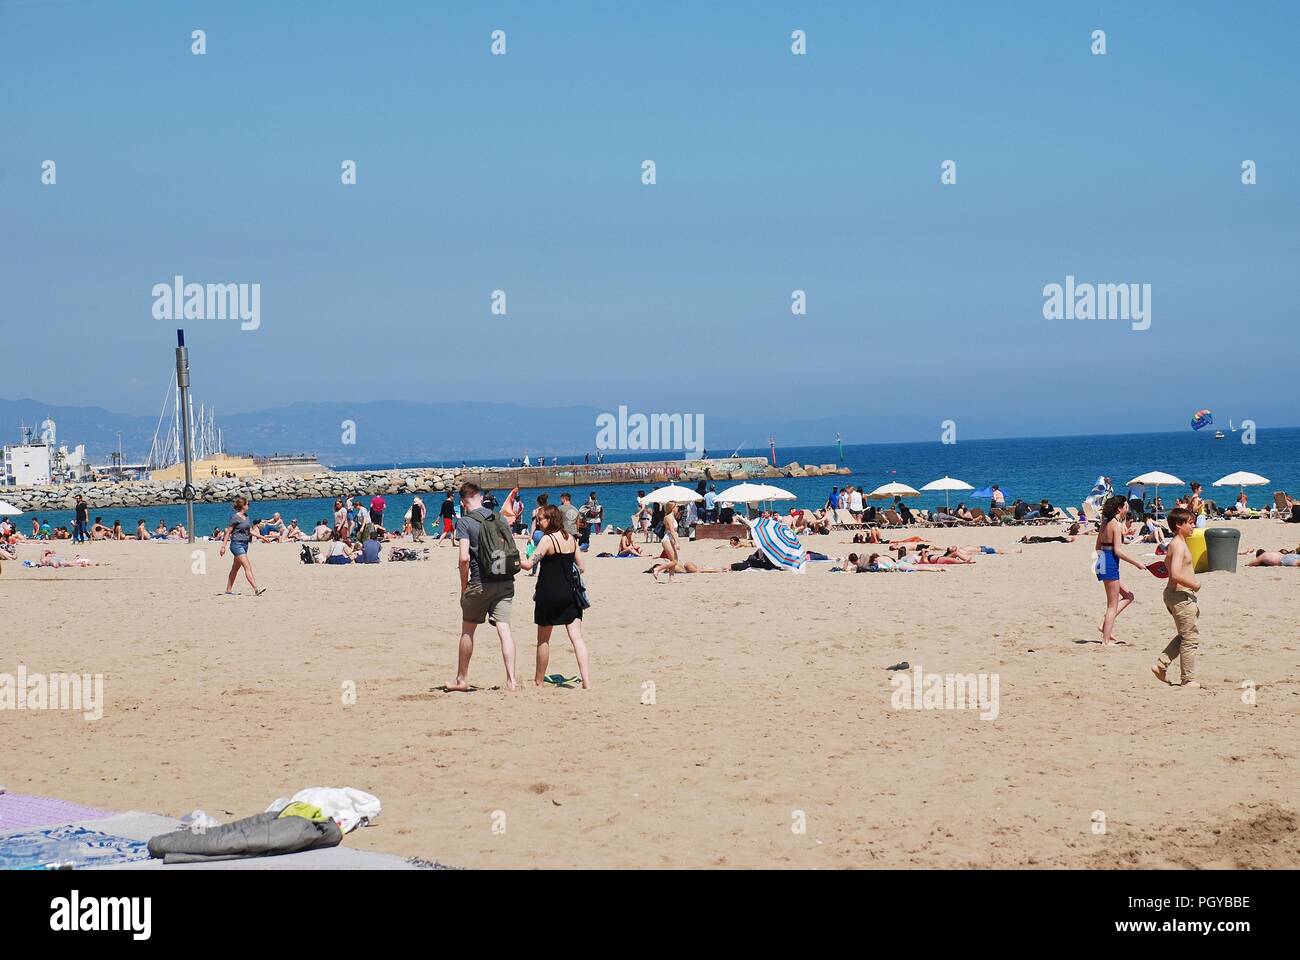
<point>976,551</point>
<point>682,566</point>
<point>879,563</point>
<point>1275,558</point>
<point>1068,538</point>
<point>949,556</point>
<point>50,559</point>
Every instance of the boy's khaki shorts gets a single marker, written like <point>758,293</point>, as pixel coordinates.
<point>487,601</point>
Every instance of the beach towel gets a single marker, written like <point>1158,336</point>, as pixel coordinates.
<point>35,849</point>
<point>18,811</point>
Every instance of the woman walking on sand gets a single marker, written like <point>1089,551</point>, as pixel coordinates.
<point>1110,536</point>
<point>239,534</point>
<point>668,539</point>
<point>555,601</point>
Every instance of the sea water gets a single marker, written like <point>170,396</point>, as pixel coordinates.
<point>1060,469</point>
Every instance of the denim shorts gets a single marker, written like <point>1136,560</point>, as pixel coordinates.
<point>238,548</point>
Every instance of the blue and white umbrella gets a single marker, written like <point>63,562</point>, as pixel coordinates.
<point>778,543</point>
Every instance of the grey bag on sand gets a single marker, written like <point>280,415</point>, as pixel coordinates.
<point>264,835</point>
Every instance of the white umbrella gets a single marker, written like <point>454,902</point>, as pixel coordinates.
<point>1157,479</point>
<point>671,494</point>
<point>946,484</point>
<point>754,493</point>
<point>891,490</point>
<point>8,509</point>
<point>1242,479</point>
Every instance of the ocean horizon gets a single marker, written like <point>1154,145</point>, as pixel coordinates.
<point>1060,469</point>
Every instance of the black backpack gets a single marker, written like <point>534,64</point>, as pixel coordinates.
<point>498,557</point>
<point>307,554</point>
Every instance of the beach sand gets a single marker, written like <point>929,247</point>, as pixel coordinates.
<point>771,699</point>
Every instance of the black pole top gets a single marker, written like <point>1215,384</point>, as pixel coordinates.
<point>180,338</point>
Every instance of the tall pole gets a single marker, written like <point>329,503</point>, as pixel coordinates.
<point>772,442</point>
<point>183,386</point>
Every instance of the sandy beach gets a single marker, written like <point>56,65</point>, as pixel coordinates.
<point>771,699</point>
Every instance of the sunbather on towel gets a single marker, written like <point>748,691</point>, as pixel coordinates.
<point>1274,558</point>
<point>949,556</point>
<point>627,546</point>
<point>50,559</point>
<point>879,563</point>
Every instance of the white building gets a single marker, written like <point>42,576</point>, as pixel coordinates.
<point>26,464</point>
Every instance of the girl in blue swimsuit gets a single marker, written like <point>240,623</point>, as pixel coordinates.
<point>1109,538</point>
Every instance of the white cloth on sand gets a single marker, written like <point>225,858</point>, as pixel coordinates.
<point>346,806</point>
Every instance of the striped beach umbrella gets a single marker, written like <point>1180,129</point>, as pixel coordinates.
<point>779,544</point>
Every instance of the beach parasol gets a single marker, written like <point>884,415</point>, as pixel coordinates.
<point>1243,480</point>
<point>754,493</point>
<point>891,490</point>
<point>1157,479</point>
<point>778,543</point>
<point>7,509</point>
<point>672,493</point>
<point>947,484</point>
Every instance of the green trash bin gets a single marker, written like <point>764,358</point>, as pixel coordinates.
<point>1221,545</point>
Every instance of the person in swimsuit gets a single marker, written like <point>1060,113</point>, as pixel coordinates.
<point>670,567</point>
<point>1109,537</point>
<point>554,600</point>
<point>669,539</point>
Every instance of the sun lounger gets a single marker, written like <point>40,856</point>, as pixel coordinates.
<point>1281,501</point>
<point>892,519</point>
<point>844,520</point>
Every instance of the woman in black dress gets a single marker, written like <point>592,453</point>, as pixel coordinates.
<point>555,599</point>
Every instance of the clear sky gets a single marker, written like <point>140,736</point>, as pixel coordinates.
<point>775,172</point>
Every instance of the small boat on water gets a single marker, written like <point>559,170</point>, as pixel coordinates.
<point>1219,435</point>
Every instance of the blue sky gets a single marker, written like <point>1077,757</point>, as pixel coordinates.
<point>775,173</point>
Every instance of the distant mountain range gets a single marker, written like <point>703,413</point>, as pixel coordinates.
<point>405,432</point>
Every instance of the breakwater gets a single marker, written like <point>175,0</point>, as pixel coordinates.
<point>408,480</point>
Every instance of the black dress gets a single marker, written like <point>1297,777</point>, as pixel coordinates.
<point>553,601</point>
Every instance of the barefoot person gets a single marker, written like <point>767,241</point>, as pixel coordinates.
<point>1109,537</point>
<point>239,534</point>
<point>555,599</point>
<point>669,539</point>
<point>488,560</point>
<point>1180,601</point>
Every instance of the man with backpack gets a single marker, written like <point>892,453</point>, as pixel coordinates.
<point>489,561</point>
